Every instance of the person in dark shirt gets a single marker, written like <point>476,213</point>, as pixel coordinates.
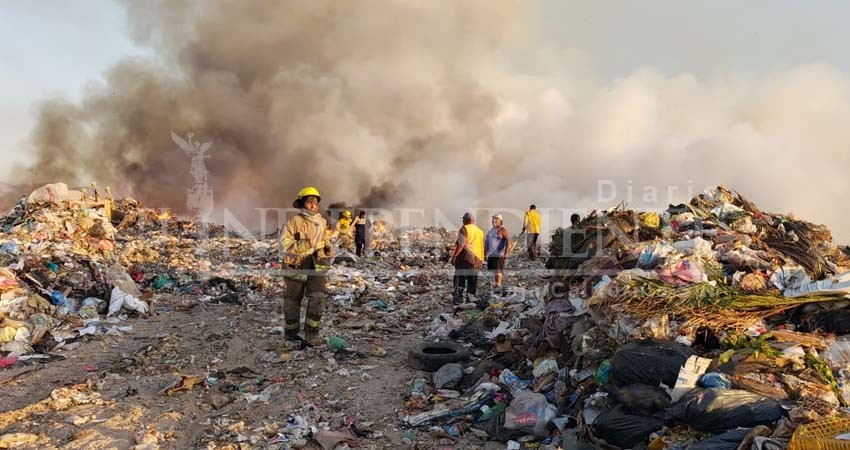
<point>361,230</point>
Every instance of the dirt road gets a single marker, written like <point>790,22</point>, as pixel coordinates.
<point>112,392</point>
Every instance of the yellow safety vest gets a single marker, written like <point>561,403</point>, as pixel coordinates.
<point>475,240</point>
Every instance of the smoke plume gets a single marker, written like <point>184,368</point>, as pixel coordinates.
<point>434,104</point>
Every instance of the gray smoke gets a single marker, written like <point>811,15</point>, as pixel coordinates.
<point>342,95</point>
<point>434,104</point>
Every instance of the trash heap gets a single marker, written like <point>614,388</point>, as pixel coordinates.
<point>77,264</point>
<point>374,301</point>
<point>717,262</point>
<point>59,277</point>
<point>712,325</point>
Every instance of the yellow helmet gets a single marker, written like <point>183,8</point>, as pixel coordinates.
<point>307,192</point>
<point>347,214</point>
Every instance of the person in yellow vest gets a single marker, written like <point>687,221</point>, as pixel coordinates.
<point>345,231</point>
<point>467,258</point>
<point>531,225</point>
<point>307,254</point>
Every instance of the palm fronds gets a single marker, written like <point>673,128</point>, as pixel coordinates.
<point>713,304</point>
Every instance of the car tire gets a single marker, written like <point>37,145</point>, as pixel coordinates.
<point>430,356</point>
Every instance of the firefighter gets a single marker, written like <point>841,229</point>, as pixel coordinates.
<point>307,254</point>
<point>345,231</point>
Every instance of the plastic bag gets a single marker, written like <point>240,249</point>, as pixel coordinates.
<point>89,308</point>
<point>600,291</point>
<point>745,225</point>
<point>697,247</point>
<point>714,380</point>
<point>719,410</point>
<point>120,299</point>
<point>448,376</point>
<point>727,212</point>
<point>649,362</point>
<point>652,255</point>
<point>839,284</point>
<point>530,413</point>
<point>838,354</point>
<point>744,257</point>
<point>602,377</point>
<point>118,277</point>
<point>10,247</point>
<point>513,382</point>
<point>683,220</point>
<point>544,367</point>
<point>729,440</point>
<point>644,399</point>
<point>789,277</point>
<point>684,272</point>
<point>617,426</point>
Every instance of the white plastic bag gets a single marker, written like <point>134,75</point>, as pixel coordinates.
<point>697,246</point>
<point>120,299</point>
<point>839,284</point>
<point>727,210</point>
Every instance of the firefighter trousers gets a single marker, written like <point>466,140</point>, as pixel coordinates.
<point>314,291</point>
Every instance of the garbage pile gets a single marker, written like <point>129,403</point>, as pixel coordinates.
<point>373,302</point>
<point>711,326</point>
<point>77,263</point>
<point>717,262</point>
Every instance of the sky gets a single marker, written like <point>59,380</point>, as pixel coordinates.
<point>51,48</point>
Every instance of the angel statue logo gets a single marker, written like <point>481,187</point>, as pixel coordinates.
<point>199,196</point>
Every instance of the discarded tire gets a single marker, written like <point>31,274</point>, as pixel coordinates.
<point>430,356</point>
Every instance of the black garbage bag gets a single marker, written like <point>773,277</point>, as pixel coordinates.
<point>826,321</point>
<point>648,362</point>
<point>729,440</point>
<point>719,410</point>
<point>642,398</point>
<point>617,426</point>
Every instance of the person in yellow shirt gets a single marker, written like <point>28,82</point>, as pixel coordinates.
<point>467,258</point>
<point>531,225</point>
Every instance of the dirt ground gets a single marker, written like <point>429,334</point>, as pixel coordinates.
<point>110,393</point>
